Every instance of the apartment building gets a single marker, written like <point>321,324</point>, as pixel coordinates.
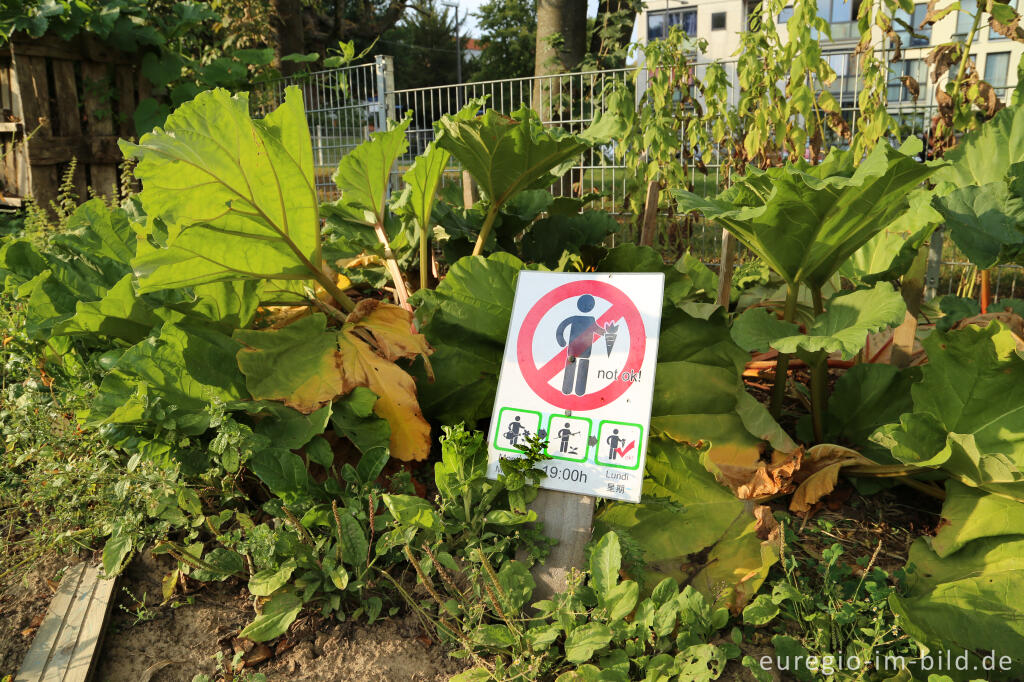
<point>720,22</point>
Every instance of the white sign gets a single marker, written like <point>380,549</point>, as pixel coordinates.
<point>578,370</point>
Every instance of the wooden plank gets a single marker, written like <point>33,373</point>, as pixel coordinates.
<point>104,179</point>
<point>35,94</point>
<point>22,169</point>
<point>125,79</point>
<point>34,665</point>
<point>67,640</point>
<point>67,119</point>
<point>82,47</point>
<point>91,149</point>
<point>9,126</point>
<point>91,633</point>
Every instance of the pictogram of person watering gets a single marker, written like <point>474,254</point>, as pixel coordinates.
<point>582,329</point>
<point>516,430</point>
<point>615,441</point>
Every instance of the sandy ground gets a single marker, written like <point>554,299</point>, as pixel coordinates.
<point>175,644</point>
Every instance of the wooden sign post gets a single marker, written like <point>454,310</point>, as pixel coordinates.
<point>578,371</point>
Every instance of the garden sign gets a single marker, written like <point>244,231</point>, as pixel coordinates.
<point>578,371</point>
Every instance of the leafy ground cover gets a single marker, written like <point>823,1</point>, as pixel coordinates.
<point>247,385</point>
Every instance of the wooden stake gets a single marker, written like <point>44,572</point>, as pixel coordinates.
<point>469,193</point>
<point>568,518</point>
<point>725,271</point>
<point>905,335</point>
<point>650,226</point>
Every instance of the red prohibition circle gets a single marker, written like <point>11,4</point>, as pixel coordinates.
<point>621,304</point>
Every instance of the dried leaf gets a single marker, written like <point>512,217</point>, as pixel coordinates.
<point>819,473</point>
<point>389,328</point>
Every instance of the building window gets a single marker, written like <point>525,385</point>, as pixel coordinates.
<point>915,69</point>
<point>914,36</point>
<point>992,35</point>
<point>965,18</point>
<point>997,64</point>
<point>660,23</point>
<point>717,21</point>
<point>786,14</point>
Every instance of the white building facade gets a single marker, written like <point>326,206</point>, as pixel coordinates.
<point>721,21</point>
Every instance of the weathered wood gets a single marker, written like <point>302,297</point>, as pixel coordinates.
<point>34,665</point>
<point>125,82</point>
<point>568,518</point>
<point>100,122</point>
<point>67,120</point>
<point>93,149</point>
<point>84,48</point>
<point>650,225</point>
<point>725,269</point>
<point>66,642</point>
<point>469,193</point>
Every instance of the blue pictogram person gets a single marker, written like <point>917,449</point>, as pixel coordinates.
<point>581,338</point>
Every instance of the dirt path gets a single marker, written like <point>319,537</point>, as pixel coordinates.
<point>149,643</point>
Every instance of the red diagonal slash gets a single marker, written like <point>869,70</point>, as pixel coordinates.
<point>557,363</point>
<point>623,453</point>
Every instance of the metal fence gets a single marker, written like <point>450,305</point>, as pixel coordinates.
<point>345,106</point>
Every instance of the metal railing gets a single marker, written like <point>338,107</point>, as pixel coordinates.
<point>345,106</point>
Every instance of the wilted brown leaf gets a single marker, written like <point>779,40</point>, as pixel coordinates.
<point>819,473</point>
<point>1012,320</point>
<point>759,480</point>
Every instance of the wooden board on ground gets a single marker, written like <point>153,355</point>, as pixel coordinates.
<point>67,640</point>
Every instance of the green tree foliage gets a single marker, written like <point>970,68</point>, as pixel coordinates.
<point>423,47</point>
<point>508,33</point>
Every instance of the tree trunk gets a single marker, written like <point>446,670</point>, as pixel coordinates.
<point>561,46</point>
<point>561,35</point>
<point>289,37</point>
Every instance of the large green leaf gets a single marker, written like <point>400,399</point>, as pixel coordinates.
<point>119,314</point>
<point>424,176</point>
<point>805,221</point>
<point>696,352</point>
<point>863,399</point>
<point>171,379</point>
<point>986,221</point>
<point>466,319</point>
<point>236,194</point>
<point>506,155</point>
<point>842,328</point>
<point>968,416</point>
<point>890,253</point>
<point>685,513</point>
<point>277,616</point>
<point>296,364</point>
<point>985,155</point>
<point>364,174</point>
<point>969,514</point>
<point>969,599</point>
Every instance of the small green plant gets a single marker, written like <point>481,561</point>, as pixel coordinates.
<point>231,671</point>
<point>139,609</point>
<point>826,608</point>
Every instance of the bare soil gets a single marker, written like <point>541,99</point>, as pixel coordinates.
<point>146,642</point>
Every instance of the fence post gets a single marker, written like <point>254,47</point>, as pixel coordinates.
<point>384,69</point>
<point>934,270</point>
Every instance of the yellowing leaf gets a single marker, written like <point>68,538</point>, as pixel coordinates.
<point>389,328</point>
<point>296,365</point>
<point>361,366</point>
